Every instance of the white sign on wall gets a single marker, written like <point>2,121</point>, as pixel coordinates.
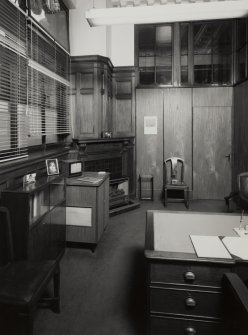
<point>150,125</point>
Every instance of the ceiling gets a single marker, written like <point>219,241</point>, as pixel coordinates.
<point>154,11</point>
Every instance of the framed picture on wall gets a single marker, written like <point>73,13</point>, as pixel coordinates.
<point>52,166</point>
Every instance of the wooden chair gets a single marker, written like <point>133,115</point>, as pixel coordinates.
<point>174,181</point>
<point>23,283</point>
<point>235,305</point>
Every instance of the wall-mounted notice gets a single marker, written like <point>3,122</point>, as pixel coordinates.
<point>150,125</point>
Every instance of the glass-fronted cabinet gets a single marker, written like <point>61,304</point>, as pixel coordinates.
<point>37,213</point>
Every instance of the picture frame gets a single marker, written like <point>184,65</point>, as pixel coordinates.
<point>52,166</point>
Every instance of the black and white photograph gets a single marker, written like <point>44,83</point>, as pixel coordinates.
<point>123,167</point>
<point>52,166</point>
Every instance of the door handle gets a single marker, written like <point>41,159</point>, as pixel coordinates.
<point>228,156</point>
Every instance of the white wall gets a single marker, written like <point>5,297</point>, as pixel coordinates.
<point>85,40</point>
<point>122,45</point>
<point>115,42</point>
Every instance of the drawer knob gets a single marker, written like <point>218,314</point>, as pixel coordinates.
<point>190,302</point>
<point>190,331</point>
<point>189,276</point>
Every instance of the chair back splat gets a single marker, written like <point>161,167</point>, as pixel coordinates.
<point>175,189</point>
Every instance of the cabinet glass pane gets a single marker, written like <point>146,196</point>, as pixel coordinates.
<point>222,53</point>
<point>212,52</point>
<point>146,55</point>
<point>184,47</point>
<point>164,54</point>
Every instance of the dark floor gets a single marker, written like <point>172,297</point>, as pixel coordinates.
<point>103,293</point>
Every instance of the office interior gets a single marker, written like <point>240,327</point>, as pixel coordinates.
<point>122,139</point>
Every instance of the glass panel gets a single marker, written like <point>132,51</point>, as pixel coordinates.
<point>184,45</point>
<point>241,64</point>
<point>212,52</point>
<point>147,55</point>
<point>222,53</point>
<point>164,54</point>
<point>241,33</point>
<point>52,15</point>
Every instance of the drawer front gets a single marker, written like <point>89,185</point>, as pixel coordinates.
<point>186,302</point>
<point>171,326</point>
<point>206,275</point>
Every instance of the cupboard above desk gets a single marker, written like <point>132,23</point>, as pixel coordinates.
<point>37,213</point>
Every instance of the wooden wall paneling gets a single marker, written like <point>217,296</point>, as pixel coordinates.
<point>149,148</point>
<point>124,102</point>
<point>211,142</point>
<point>178,127</point>
<point>86,116</point>
<point>213,96</point>
<point>240,142</point>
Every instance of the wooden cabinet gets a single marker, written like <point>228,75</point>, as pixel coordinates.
<point>87,207</point>
<point>37,213</point>
<point>124,101</point>
<point>91,96</point>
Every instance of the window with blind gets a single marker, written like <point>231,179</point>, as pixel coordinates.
<point>13,82</point>
<point>48,85</point>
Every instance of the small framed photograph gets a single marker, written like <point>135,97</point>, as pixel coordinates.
<point>52,166</point>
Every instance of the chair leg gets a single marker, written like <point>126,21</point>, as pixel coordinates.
<point>56,286</point>
<point>186,198</point>
<point>165,197</point>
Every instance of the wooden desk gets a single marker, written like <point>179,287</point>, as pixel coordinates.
<point>87,207</point>
<point>184,291</point>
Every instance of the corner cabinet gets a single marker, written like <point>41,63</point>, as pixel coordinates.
<point>37,213</point>
<point>87,207</point>
<point>91,96</point>
<point>124,83</point>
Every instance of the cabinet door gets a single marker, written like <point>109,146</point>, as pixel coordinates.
<point>38,244</point>
<point>87,105</point>
<point>81,214</point>
<point>124,106</point>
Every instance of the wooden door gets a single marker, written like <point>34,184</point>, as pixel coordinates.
<point>211,145</point>
<point>178,127</point>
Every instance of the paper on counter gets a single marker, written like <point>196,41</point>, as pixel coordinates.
<point>209,246</point>
<point>237,246</point>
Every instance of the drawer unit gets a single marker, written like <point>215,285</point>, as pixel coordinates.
<point>183,326</point>
<point>190,274</point>
<point>185,302</point>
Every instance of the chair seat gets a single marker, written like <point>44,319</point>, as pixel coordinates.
<point>176,186</point>
<point>21,282</point>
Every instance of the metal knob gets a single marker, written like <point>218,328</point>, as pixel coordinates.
<point>190,302</point>
<point>189,276</point>
<point>190,331</point>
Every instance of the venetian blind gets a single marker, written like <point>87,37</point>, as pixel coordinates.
<point>13,82</point>
<point>48,85</point>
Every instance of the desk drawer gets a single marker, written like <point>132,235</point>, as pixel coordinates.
<point>180,326</point>
<point>190,274</point>
<point>185,302</point>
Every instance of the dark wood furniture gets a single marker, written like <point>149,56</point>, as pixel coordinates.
<point>87,208</point>
<point>103,98</point>
<point>236,305</point>
<point>185,294</point>
<point>37,214</point>
<point>174,182</point>
<point>23,282</point>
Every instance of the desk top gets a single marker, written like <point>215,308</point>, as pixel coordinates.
<point>89,179</point>
<point>167,233</point>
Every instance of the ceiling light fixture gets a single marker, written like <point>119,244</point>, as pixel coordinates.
<point>171,12</point>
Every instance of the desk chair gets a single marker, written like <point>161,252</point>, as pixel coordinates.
<point>22,283</point>
<point>174,181</point>
<point>235,305</point>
